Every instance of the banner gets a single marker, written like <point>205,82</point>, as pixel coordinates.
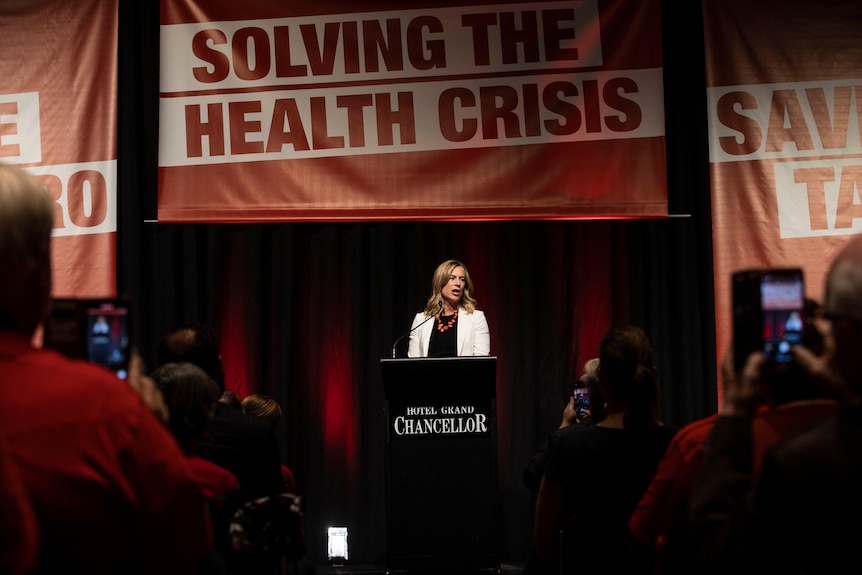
<point>334,111</point>
<point>785,108</point>
<point>58,110</point>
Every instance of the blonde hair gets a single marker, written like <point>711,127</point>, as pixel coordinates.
<point>26,220</point>
<point>262,406</point>
<point>438,282</point>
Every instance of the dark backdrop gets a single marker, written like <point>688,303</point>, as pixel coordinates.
<point>306,310</point>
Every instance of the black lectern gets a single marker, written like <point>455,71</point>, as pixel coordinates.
<point>441,463</point>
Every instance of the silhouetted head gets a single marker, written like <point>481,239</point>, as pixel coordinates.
<point>628,376</point>
<point>842,305</point>
<point>262,406</point>
<point>190,396</point>
<point>195,343</point>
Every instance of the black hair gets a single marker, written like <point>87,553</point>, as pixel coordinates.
<point>629,375</point>
<point>190,396</point>
<point>196,343</point>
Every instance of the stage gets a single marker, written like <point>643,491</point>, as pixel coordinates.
<point>504,569</point>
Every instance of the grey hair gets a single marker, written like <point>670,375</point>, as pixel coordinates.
<point>844,283</point>
<point>26,220</point>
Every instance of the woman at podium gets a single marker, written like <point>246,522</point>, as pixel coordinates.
<point>450,325</point>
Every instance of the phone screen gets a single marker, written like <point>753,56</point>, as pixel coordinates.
<point>107,335</point>
<point>97,330</point>
<point>337,545</point>
<point>581,396</point>
<point>782,297</point>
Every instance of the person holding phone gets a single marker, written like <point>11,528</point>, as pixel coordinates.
<point>589,381</point>
<point>791,402</point>
<point>595,474</point>
<point>110,487</point>
<point>801,514</point>
<point>450,325</point>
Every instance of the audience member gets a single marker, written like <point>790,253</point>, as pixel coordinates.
<point>110,488</point>
<point>191,395</point>
<point>536,466</point>
<point>596,473</point>
<point>801,515</point>
<point>596,412</point>
<point>230,398</point>
<point>243,444</point>
<point>791,401</point>
<point>266,407</point>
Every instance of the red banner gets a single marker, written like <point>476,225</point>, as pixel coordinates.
<point>58,110</point>
<point>340,111</point>
<point>785,111</point>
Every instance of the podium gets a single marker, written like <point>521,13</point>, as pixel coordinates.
<point>441,464</point>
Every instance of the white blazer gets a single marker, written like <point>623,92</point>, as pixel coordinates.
<point>474,337</point>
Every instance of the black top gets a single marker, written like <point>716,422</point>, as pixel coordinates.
<point>604,472</point>
<point>245,445</point>
<point>444,343</point>
<point>801,515</point>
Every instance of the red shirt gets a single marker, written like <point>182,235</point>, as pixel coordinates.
<point>661,512</point>
<point>288,478</point>
<point>213,480</point>
<point>772,425</point>
<point>19,531</point>
<point>681,459</point>
<point>111,489</point>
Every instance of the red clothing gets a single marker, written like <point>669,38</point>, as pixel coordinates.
<point>212,479</point>
<point>19,532</point>
<point>774,424</point>
<point>660,517</point>
<point>684,454</point>
<point>111,489</point>
<point>288,478</point>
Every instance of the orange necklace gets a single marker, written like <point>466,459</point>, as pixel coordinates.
<point>441,328</point>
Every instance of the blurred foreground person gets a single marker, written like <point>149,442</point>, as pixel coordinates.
<point>19,531</point>
<point>791,401</point>
<point>802,513</point>
<point>111,490</point>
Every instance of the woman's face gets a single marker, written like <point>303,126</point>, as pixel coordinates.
<point>453,291</point>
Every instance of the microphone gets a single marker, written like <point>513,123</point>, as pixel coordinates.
<point>427,319</point>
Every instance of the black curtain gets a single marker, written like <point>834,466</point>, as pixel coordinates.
<point>306,310</point>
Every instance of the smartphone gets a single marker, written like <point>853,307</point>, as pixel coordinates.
<point>768,313</point>
<point>336,546</point>
<point>581,396</point>
<point>97,330</point>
